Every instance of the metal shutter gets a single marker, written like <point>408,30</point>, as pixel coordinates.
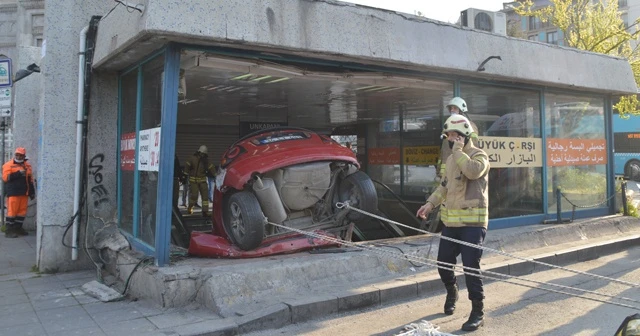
<point>217,139</point>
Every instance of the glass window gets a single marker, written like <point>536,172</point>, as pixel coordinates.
<point>576,150</point>
<point>533,37</point>
<point>128,102</point>
<point>508,121</point>
<point>552,37</point>
<point>422,126</point>
<point>149,137</point>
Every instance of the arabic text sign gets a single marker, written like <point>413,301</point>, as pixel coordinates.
<point>384,156</point>
<point>512,152</point>
<point>421,155</point>
<point>149,149</point>
<point>128,151</point>
<point>576,152</point>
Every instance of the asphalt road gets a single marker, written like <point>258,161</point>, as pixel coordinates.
<point>510,309</point>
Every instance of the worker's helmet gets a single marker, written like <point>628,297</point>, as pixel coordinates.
<point>459,102</point>
<point>458,123</point>
<point>21,150</point>
<point>203,149</point>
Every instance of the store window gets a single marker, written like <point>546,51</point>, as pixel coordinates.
<point>422,126</point>
<point>128,105</point>
<point>149,138</point>
<point>508,120</point>
<point>552,37</point>
<point>576,151</point>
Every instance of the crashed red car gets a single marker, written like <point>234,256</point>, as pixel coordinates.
<point>290,176</point>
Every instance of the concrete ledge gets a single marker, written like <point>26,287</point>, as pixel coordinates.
<point>358,298</point>
<point>272,317</point>
<point>308,307</point>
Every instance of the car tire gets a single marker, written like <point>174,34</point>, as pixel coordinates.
<point>244,220</point>
<point>359,190</point>
<point>633,170</point>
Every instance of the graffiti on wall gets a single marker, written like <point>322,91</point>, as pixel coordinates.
<point>98,191</point>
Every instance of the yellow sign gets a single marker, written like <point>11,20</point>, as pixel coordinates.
<point>511,152</point>
<point>421,155</point>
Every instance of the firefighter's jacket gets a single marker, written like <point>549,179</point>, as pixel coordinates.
<point>198,168</point>
<point>15,183</point>
<point>463,191</point>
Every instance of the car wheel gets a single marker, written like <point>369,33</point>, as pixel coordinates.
<point>633,170</point>
<point>359,190</point>
<point>244,220</point>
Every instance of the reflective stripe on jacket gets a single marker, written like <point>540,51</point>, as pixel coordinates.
<point>463,192</point>
<point>15,183</point>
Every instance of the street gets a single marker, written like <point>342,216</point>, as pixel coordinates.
<point>509,309</point>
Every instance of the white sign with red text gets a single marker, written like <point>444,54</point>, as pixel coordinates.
<point>149,149</point>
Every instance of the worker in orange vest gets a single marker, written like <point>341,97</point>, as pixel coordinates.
<point>18,185</point>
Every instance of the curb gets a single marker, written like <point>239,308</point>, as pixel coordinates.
<point>291,311</point>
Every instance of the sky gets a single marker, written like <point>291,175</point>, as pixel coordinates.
<point>441,10</point>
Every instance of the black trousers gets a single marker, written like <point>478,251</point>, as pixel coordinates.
<point>449,251</point>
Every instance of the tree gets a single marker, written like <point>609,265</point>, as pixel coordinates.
<point>593,26</point>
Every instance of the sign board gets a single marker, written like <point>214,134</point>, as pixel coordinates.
<point>248,127</point>
<point>512,152</point>
<point>576,152</point>
<point>128,151</point>
<point>149,149</point>
<point>5,101</point>
<point>384,156</point>
<point>421,155</point>
<point>5,73</point>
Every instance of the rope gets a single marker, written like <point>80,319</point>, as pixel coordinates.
<point>451,267</point>
<point>630,284</point>
<point>586,206</point>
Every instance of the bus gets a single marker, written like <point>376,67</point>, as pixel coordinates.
<point>626,146</point>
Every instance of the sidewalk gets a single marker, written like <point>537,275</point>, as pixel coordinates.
<point>53,304</point>
<point>248,295</point>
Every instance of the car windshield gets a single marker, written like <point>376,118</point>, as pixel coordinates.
<point>280,136</point>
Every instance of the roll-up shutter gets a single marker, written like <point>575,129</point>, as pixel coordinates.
<point>217,139</point>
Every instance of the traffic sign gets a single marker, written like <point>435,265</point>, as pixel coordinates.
<point>5,73</point>
<point>5,102</point>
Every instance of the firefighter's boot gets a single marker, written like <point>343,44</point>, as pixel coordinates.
<point>10,232</point>
<point>20,230</point>
<point>190,210</point>
<point>476,319</point>
<point>452,298</point>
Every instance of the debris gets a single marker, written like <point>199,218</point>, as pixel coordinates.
<point>422,328</point>
<point>101,291</point>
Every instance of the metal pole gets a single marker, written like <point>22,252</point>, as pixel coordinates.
<point>3,125</point>
<point>625,206</point>
<point>558,206</point>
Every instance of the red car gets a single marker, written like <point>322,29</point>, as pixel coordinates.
<point>289,176</point>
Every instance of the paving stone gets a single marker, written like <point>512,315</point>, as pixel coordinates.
<point>16,308</point>
<point>14,299</point>
<point>33,329</point>
<point>115,316</point>
<point>93,331</point>
<point>222,327</point>
<point>16,319</point>
<point>173,320</point>
<point>133,327</point>
<point>55,303</point>
<point>358,298</point>
<point>66,319</point>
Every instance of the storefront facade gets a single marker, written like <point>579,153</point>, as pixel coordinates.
<point>380,77</point>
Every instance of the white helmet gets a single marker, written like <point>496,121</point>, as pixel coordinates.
<point>203,149</point>
<point>458,123</point>
<point>458,102</point>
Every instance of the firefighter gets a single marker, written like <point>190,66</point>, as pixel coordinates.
<point>199,168</point>
<point>18,186</point>
<point>464,198</point>
<point>456,105</point>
